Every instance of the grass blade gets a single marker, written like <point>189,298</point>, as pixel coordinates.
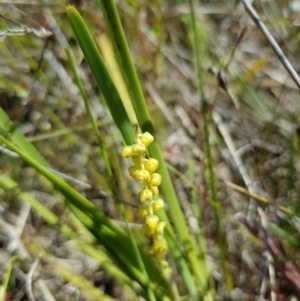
<point>101,75</point>
<point>7,127</point>
<point>210,167</point>
<point>6,278</point>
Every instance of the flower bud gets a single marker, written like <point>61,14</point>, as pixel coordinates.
<point>146,138</point>
<point>142,175</point>
<point>160,228</point>
<point>160,247</point>
<point>155,179</point>
<point>147,231</point>
<point>132,170</point>
<point>154,189</point>
<point>151,164</point>
<point>145,195</point>
<point>138,149</point>
<point>158,204</point>
<point>152,221</point>
<point>167,271</point>
<point>127,151</point>
<point>164,264</point>
<point>142,211</point>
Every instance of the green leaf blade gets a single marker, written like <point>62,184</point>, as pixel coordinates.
<point>101,75</point>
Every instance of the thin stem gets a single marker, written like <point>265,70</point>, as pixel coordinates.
<point>211,181</point>
<point>283,59</point>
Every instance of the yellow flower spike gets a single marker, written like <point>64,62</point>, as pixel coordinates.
<point>143,171</point>
<point>142,175</point>
<point>147,231</point>
<point>160,247</point>
<point>158,204</point>
<point>155,179</point>
<point>152,221</point>
<point>145,195</point>
<point>151,164</point>
<point>154,189</point>
<point>160,228</point>
<point>138,149</point>
<point>146,138</point>
<point>127,151</point>
<point>142,211</point>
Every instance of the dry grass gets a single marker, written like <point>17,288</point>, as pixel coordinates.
<point>254,137</point>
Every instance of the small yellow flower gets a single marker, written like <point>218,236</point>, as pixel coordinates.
<point>132,170</point>
<point>160,247</point>
<point>143,211</point>
<point>138,149</point>
<point>145,195</point>
<point>154,189</point>
<point>146,139</point>
<point>160,228</point>
<point>142,175</point>
<point>151,165</point>
<point>127,151</point>
<point>158,204</point>
<point>152,221</point>
<point>147,231</point>
<point>155,179</point>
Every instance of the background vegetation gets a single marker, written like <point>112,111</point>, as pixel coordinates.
<point>223,107</point>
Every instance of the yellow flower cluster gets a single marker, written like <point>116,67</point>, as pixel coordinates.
<point>143,171</point>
